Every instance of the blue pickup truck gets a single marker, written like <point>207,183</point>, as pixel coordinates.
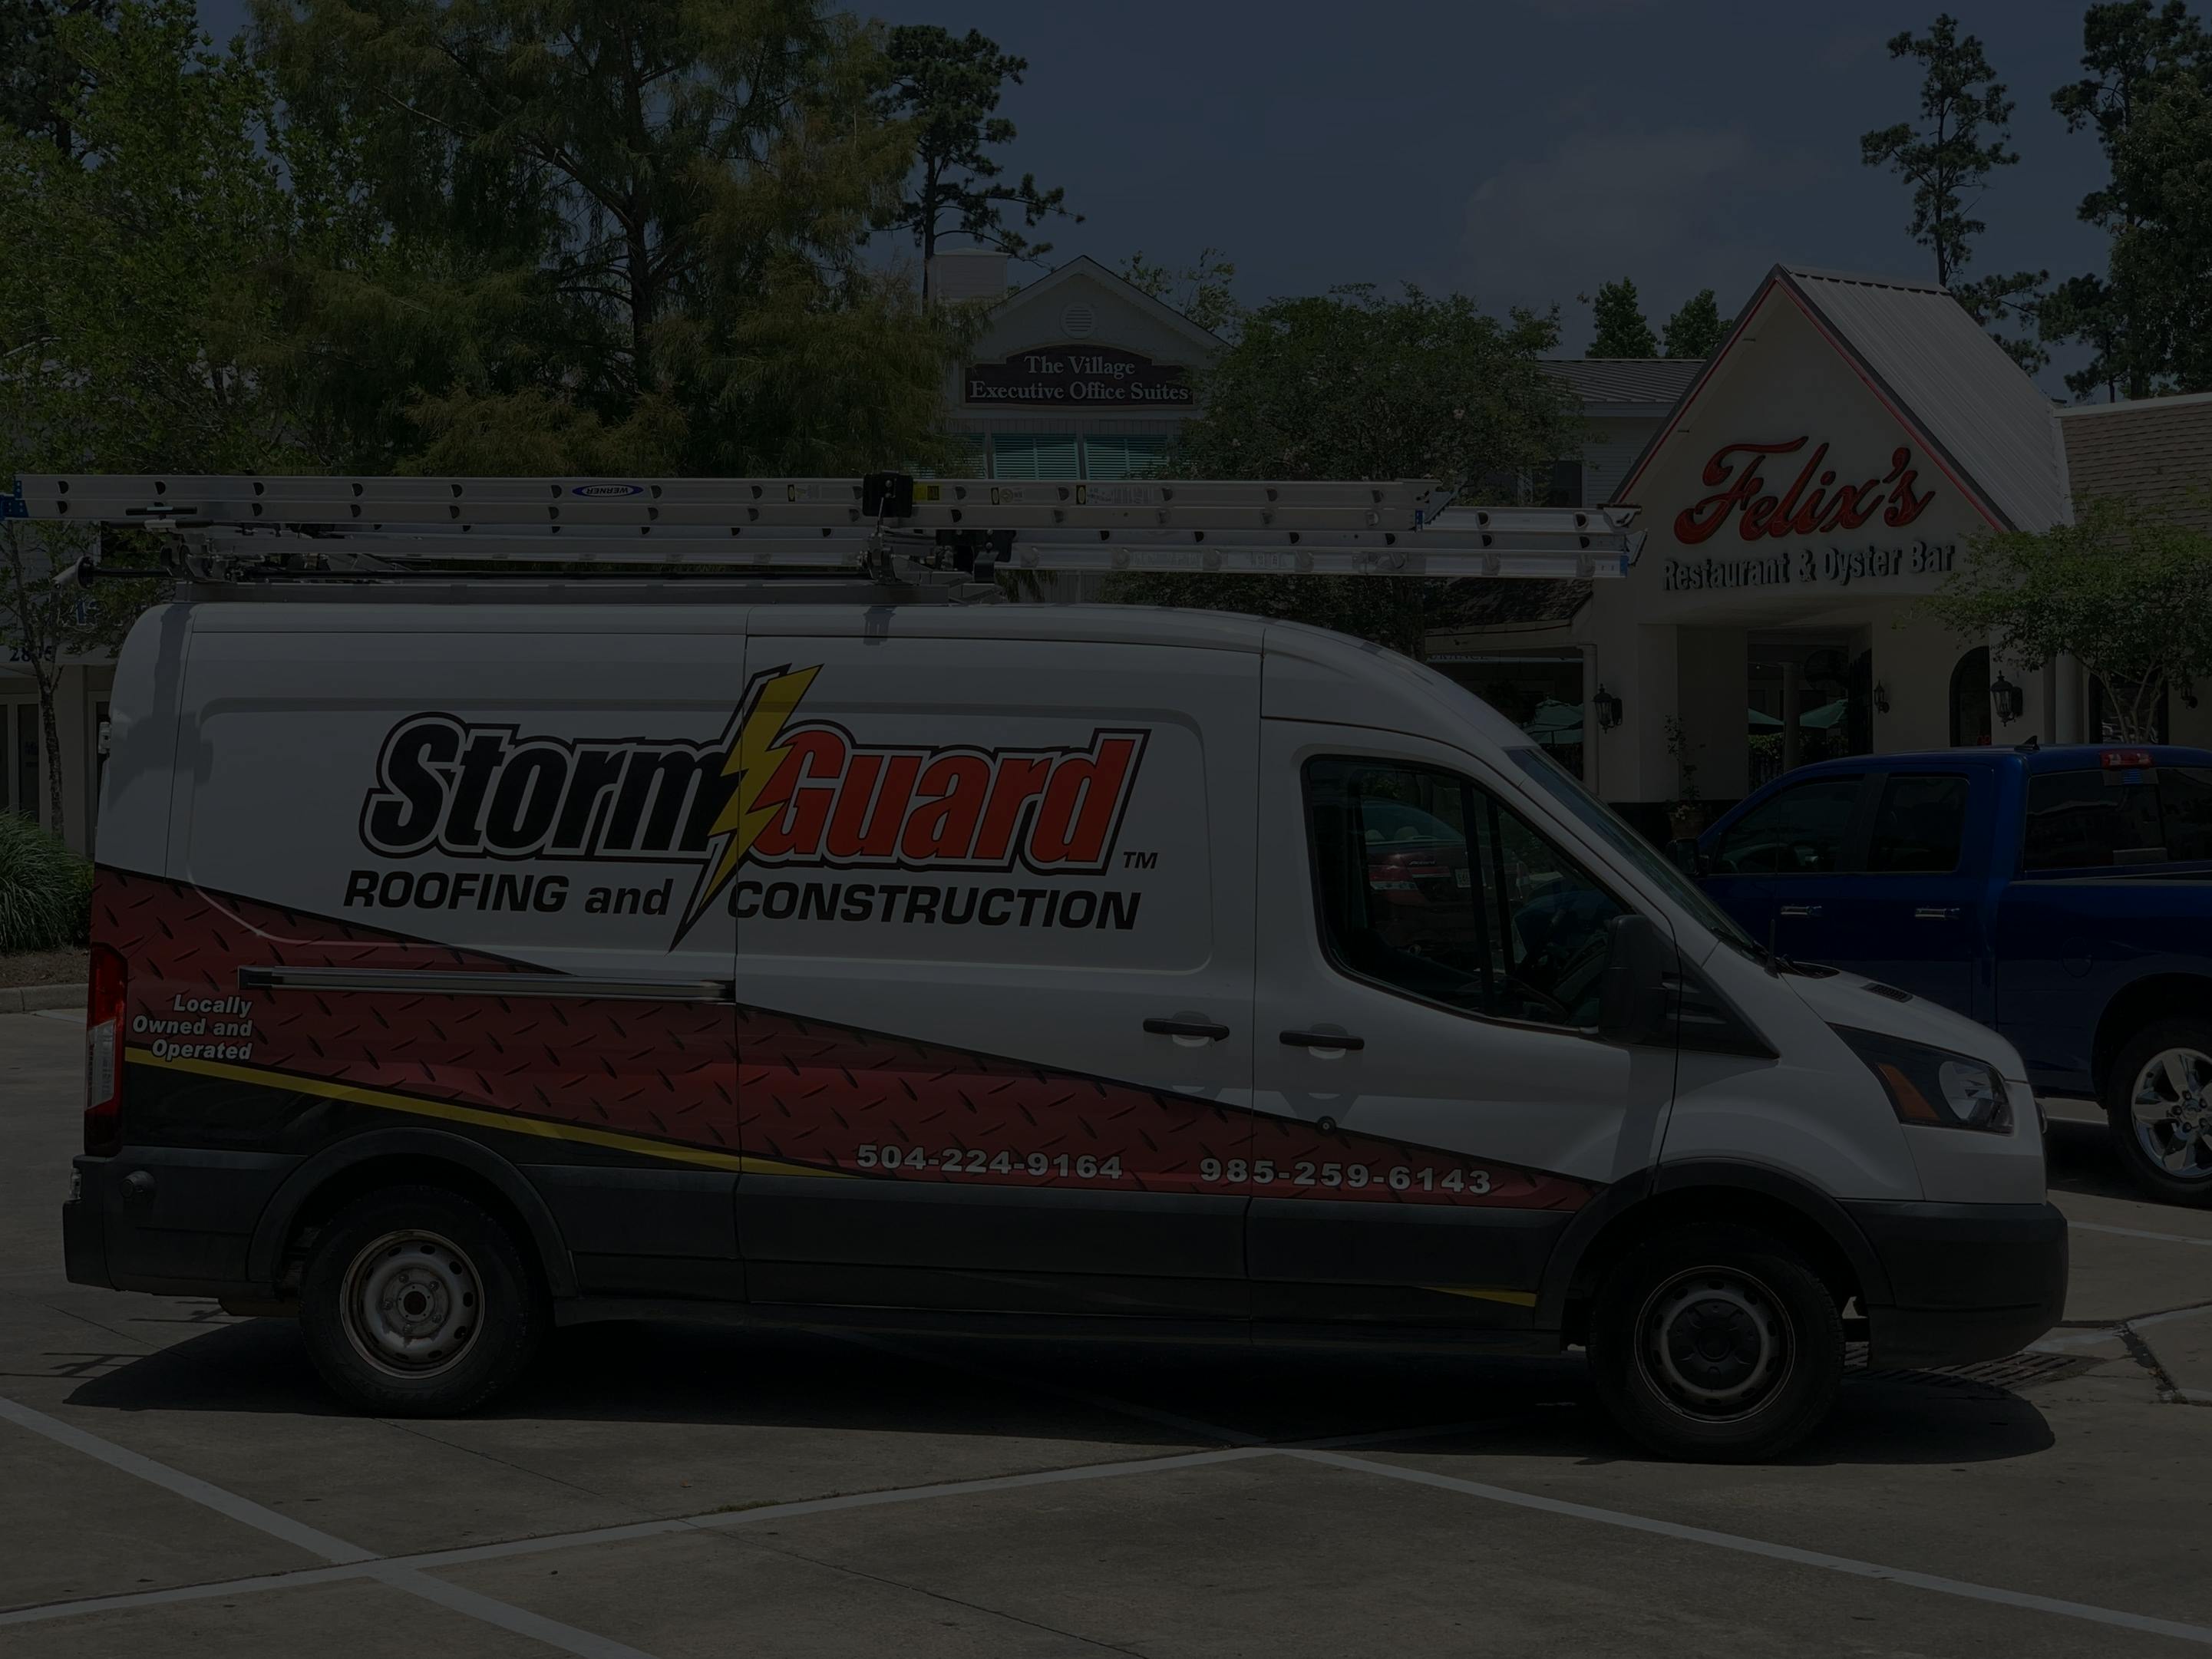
<point>2063,896</point>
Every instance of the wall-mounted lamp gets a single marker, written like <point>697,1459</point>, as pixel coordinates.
<point>1607,707</point>
<point>2008,699</point>
<point>1880,698</point>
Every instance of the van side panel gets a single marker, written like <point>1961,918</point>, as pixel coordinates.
<point>983,867</point>
<point>401,850</point>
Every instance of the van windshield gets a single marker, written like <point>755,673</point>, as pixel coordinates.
<point>1594,814</point>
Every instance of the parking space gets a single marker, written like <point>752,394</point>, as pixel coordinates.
<point>181,1485</point>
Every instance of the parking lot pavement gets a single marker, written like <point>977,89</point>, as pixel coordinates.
<point>666,1491</point>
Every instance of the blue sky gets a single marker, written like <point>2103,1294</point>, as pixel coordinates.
<point>1522,151</point>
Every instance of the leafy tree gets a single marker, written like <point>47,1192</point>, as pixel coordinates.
<point>1621,329</point>
<point>138,309</point>
<point>2147,71</point>
<point>39,78</point>
<point>1200,290</point>
<point>1698,328</point>
<point>2127,592</point>
<point>649,217</point>
<point>1353,385</point>
<point>1962,139</point>
<point>946,87</point>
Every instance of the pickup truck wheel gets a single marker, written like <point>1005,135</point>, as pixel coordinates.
<point>1715,1345</point>
<point>2158,1097</point>
<point>418,1303</point>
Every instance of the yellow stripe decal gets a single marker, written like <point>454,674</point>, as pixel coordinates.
<point>329,1089</point>
<point>1511,1298</point>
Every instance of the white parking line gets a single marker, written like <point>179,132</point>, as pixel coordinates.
<point>348,1560</point>
<point>2200,1634</point>
<point>2138,1232</point>
<point>431,1560</point>
<point>244,1510</point>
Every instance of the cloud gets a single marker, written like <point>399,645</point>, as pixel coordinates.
<point>1673,211</point>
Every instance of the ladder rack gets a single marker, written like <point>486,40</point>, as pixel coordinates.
<point>886,527</point>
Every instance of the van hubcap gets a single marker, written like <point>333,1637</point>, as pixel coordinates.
<point>1713,1343</point>
<point>413,1304</point>
<point>2172,1109</point>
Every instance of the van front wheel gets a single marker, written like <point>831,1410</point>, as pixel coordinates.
<point>1715,1345</point>
<point>417,1302</point>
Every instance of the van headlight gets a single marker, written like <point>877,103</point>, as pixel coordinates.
<point>1933,1086</point>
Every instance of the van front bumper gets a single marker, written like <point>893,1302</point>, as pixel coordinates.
<point>1967,1281</point>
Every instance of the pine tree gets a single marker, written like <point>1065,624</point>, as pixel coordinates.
<point>947,88</point>
<point>1946,158</point>
<point>1621,329</point>
<point>1698,328</point>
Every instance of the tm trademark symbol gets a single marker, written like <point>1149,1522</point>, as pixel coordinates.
<point>1140,861</point>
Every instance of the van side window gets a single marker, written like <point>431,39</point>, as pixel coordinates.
<point>1920,825</point>
<point>1428,886</point>
<point>1800,831</point>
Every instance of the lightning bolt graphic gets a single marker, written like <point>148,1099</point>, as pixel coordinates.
<point>754,757</point>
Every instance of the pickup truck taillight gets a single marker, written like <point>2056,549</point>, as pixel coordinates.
<point>103,1052</point>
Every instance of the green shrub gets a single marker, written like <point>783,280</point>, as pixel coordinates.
<point>45,889</point>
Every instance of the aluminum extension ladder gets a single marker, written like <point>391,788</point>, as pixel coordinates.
<point>886,527</point>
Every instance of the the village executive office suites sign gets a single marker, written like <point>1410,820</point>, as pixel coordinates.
<point>1087,376</point>
<point>1794,512</point>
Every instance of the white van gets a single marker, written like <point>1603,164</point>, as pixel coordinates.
<point>461,970</point>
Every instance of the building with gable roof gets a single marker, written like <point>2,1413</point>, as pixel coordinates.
<point>1080,374</point>
<point>1812,483</point>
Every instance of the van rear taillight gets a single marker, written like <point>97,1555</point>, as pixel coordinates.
<point>103,1053</point>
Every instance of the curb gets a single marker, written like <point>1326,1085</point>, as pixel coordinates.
<point>29,998</point>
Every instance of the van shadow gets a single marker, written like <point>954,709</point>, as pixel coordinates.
<point>1146,1396</point>
<point>2078,1157</point>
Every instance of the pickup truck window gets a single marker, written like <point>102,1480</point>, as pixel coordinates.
<point>1799,831</point>
<point>2091,817</point>
<point>1920,825</point>
<point>1429,887</point>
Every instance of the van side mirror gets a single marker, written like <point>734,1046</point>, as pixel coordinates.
<point>1636,1003</point>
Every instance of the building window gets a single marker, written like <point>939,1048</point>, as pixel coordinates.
<point>1970,699</point>
<point>1035,455</point>
<point>1137,456</point>
<point>1564,486</point>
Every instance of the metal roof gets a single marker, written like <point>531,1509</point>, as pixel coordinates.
<point>2154,453</point>
<point>1649,383</point>
<point>1953,381</point>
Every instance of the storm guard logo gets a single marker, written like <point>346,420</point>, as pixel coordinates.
<point>776,791</point>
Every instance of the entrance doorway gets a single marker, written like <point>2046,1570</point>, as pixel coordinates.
<point>1809,698</point>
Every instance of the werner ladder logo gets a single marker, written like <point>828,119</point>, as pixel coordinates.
<point>776,790</point>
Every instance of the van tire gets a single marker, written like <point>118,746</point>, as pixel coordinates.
<point>2190,1042</point>
<point>418,1302</point>
<point>1767,1373</point>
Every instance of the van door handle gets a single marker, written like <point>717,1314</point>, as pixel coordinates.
<point>1322,1039</point>
<point>1801,910</point>
<point>1937,912</point>
<point>1187,1027</point>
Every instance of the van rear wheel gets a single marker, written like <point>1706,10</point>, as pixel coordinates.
<point>418,1302</point>
<point>1715,1345</point>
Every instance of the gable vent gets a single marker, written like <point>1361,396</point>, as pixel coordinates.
<point>1079,322</point>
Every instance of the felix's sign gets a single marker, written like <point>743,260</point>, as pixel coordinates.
<point>1814,504</point>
